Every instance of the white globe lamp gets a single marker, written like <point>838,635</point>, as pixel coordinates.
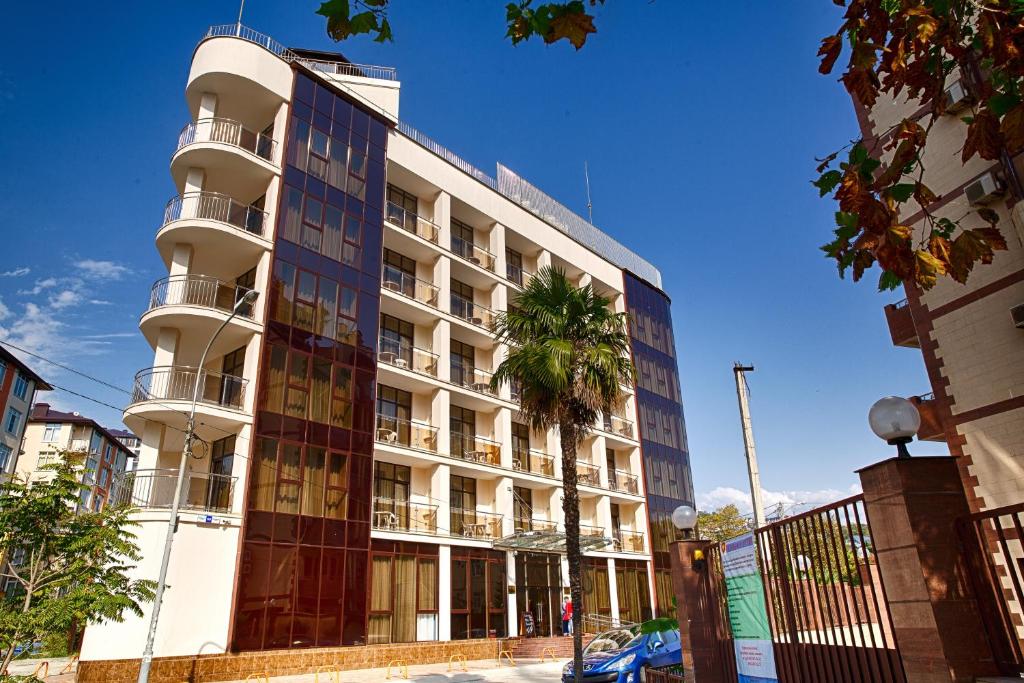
<point>895,420</point>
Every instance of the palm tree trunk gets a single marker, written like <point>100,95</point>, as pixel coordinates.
<point>571,511</point>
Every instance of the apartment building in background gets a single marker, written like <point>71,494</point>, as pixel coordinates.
<point>357,481</point>
<point>49,432</point>
<point>971,337</point>
<point>130,441</point>
<point>18,387</point>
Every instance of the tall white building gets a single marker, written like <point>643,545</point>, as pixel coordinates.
<point>358,482</point>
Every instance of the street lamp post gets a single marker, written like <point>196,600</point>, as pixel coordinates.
<point>147,654</point>
<point>896,421</point>
<point>684,518</point>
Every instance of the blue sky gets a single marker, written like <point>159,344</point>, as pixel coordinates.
<point>700,123</point>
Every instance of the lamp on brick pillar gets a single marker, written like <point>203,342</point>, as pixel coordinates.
<point>684,518</point>
<point>694,594</point>
<point>896,421</point>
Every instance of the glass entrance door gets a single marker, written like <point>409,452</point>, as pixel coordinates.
<point>539,593</point>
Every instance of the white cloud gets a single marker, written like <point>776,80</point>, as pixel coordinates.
<point>41,330</point>
<point>101,269</point>
<point>17,272</point>
<point>791,500</point>
<point>100,302</point>
<point>112,335</point>
<point>46,283</point>
<point>65,298</point>
<point>4,311</point>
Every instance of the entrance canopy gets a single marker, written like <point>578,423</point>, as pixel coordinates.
<point>548,542</point>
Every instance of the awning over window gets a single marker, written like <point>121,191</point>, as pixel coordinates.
<point>548,542</point>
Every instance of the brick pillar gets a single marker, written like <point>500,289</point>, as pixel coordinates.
<point>913,505</point>
<point>695,600</point>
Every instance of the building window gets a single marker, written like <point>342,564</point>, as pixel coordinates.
<point>3,371</point>
<point>479,588</point>
<point>463,511</point>
<point>463,363</point>
<point>104,477</point>
<point>21,386</point>
<point>84,497</point>
<point>522,508</point>
<point>396,338</point>
<point>462,425</point>
<point>5,456</point>
<point>13,421</point>
<point>462,239</point>
<point>514,266</point>
<point>108,453</point>
<point>403,599</point>
<point>394,410</point>
<point>51,432</point>
<point>521,446</point>
<point>95,442</point>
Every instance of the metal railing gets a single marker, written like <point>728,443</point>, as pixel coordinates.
<point>446,154</point>
<point>629,541</point>
<point>588,474</point>
<point>524,524</point>
<point>402,354</point>
<point>390,514</point>
<point>154,490</point>
<point>592,531</point>
<point>216,207</point>
<point>198,290</point>
<point>228,132</point>
<point>598,623</point>
<point>472,253</point>
<point>475,524</point>
<point>473,313</point>
<point>400,432</point>
<point>411,222</point>
<point>475,449</point>
<point>400,282</point>
<point>619,480</point>
<point>619,425</point>
<point>327,66</point>
<point>176,383</point>
<point>826,602</point>
<point>534,462</point>
<point>472,378</point>
<point>516,274</point>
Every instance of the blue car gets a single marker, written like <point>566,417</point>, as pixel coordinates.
<point>622,655</point>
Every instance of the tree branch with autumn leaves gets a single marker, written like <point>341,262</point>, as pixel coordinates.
<point>909,48</point>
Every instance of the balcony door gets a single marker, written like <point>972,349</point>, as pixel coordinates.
<point>394,411</point>
<point>391,488</point>
<point>463,361</point>
<point>463,502</point>
<point>462,300</point>
<point>232,367</point>
<point>522,508</point>
<point>402,208</point>
<point>221,464</point>
<point>399,273</point>
<point>396,340</point>
<point>521,446</point>
<point>462,425</point>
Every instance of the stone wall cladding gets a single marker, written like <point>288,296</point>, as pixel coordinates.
<point>236,666</point>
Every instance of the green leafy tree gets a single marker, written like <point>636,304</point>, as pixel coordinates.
<point>568,352</point>
<point>908,49</point>
<point>550,21</point>
<point>70,566</point>
<point>722,525</point>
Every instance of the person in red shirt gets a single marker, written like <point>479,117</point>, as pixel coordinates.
<point>567,617</point>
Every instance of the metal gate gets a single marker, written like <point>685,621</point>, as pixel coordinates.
<point>825,599</point>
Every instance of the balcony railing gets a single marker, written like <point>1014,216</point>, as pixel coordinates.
<point>154,490</point>
<point>402,354</point>
<point>402,283</point>
<point>198,290</point>
<point>588,474</point>
<point>592,531</point>
<point>228,132</point>
<point>534,462</point>
<point>216,207</point>
<point>472,378</point>
<point>629,541</point>
<point>523,524</point>
<point>475,449</point>
<point>619,480</point>
<point>473,253</point>
<point>475,524</point>
<point>516,274</point>
<point>396,431</point>
<point>619,425</point>
<point>403,515</point>
<point>176,383</point>
<point>411,222</point>
<point>472,313</point>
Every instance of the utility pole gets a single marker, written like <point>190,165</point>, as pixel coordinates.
<point>738,370</point>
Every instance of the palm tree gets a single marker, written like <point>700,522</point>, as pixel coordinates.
<point>568,352</point>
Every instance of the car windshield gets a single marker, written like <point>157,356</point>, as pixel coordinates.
<point>616,639</point>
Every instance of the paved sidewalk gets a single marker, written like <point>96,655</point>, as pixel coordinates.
<point>26,667</point>
<point>479,670</point>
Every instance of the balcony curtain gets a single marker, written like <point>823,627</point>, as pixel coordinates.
<point>313,482</point>
<point>404,621</point>
<point>261,496</point>
<point>380,601</point>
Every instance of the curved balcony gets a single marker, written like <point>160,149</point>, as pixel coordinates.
<point>239,160</point>
<point>233,233</point>
<point>154,490</point>
<point>164,394</point>
<point>196,305</point>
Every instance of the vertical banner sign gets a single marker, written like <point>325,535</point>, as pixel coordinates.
<point>748,615</point>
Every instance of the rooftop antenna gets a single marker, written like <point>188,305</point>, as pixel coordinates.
<point>241,7</point>
<point>590,205</point>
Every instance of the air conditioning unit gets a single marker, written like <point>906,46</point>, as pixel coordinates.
<point>1017,313</point>
<point>957,97</point>
<point>984,190</point>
